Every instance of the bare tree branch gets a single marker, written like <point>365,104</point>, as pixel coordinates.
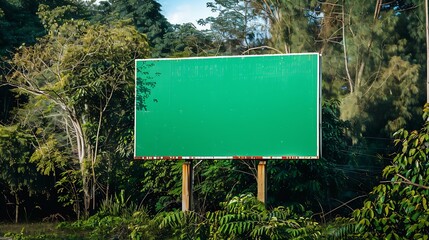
<point>261,47</point>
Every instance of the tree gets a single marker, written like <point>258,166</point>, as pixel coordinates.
<point>186,41</point>
<point>237,28</point>
<point>145,15</point>
<point>368,40</point>
<point>17,174</point>
<point>291,24</point>
<point>378,72</point>
<point>20,24</point>
<point>83,75</point>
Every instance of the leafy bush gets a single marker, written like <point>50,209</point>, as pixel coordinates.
<point>398,207</point>
<point>118,218</point>
<point>340,228</point>
<point>243,217</point>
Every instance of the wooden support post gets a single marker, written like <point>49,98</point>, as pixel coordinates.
<point>262,181</point>
<point>187,186</point>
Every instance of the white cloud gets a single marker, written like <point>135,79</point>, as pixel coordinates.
<point>181,14</point>
<point>186,11</point>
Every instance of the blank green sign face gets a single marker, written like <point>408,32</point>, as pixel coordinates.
<point>245,107</point>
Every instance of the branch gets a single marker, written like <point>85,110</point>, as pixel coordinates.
<point>344,204</point>
<point>236,170</point>
<point>327,3</point>
<point>377,9</point>
<point>251,168</point>
<point>262,47</point>
<point>407,181</point>
<point>346,61</point>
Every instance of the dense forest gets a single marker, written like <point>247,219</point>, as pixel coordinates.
<point>66,122</point>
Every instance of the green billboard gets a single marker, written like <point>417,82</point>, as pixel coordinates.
<point>240,107</point>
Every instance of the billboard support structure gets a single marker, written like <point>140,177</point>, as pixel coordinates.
<point>262,181</point>
<point>187,185</point>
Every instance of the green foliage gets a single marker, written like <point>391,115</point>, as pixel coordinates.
<point>118,218</point>
<point>118,206</point>
<point>144,14</point>
<point>292,28</point>
<point>376,71</point>
<point>79,77</point>
<point>236,27</point>
<point>48,157</point>
<point>69,189</point>
<point>17,174</point>
<point>186,41</point>
<point>340,228</point>
<point>394,90</point>
<point>22,236</point>
<point>184,225</point>
<point>243,217</point>
<point>143,227</point>
<point>18,24</point>
<point>334,141</point>
<point>217,180</point>
<point>39,231</point>
<point>161,179</point>
<point>53,18</point>
<point>398,207</point>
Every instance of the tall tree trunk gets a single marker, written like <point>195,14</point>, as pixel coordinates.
<point>346,60</point>
<point>109,170</point>
<point>427,51</point>
<point>16,207</point>
<point>81,147</point>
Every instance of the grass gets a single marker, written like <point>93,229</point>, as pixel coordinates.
<point>36,230</point>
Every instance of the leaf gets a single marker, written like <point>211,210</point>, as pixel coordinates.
<point>415,216</point>
<point>412,152</point>
<point>371,213</point>
<point>386,210</point>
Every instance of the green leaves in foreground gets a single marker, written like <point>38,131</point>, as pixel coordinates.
<point>398,207</point>
<point>243,217</point>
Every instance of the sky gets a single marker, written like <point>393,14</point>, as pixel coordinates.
<point>184,11</point>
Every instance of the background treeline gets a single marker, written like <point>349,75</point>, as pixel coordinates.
<point>66,121</point>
